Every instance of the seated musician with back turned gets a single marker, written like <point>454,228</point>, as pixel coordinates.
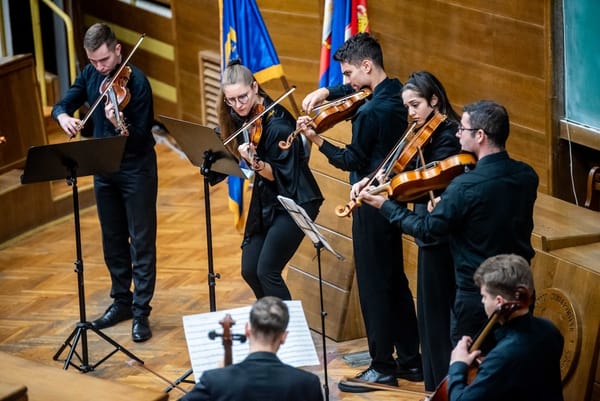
<point>261,376</point>
<point>525,362</point>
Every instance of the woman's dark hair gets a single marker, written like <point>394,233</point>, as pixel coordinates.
<point>426,85</point>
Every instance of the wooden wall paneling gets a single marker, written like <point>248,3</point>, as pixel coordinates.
<point>582,286</point>
<point>20,111</point>
<point>337,193</point>
<point>339,273</point>
<point>155,56</point>
<point>342,321</point>
<point>131,17</point>
<point>196,29</point>
<point>210,86</point>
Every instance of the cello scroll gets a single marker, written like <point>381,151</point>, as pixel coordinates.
<point>227,337</point>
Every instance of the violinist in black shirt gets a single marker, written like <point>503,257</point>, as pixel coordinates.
<point>126,199</point>
<point>382,284</point>
<point>484,212</point>
<point>270,236</point>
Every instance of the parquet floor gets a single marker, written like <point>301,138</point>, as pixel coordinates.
<point>39,294</point>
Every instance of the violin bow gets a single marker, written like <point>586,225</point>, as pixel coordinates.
<point>267,109</point>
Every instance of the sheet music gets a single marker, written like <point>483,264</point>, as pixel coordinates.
<point>298,349</point>
<point>306,224</point>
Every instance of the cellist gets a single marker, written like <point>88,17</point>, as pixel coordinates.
<point>261,376</point>
<point>525,362</point>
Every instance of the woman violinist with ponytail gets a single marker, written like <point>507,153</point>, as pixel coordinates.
<point>423,95</point>
<point>271,237</point>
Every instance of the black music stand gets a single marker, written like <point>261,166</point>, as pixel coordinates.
<point>204,149</point>
<point>70,160</point>
<point>310,229</point>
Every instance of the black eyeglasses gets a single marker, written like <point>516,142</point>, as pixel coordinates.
<point>461,129</point>
<point>242,99</point>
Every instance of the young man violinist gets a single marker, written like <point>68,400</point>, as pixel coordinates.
<point>126,199</point>
<point>385,297</point>
<point>525,362</point>
<point>483,212</point>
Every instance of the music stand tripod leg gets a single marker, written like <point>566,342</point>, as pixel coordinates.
<point>318,247</point>
<point>208,159</point>
<point>80,331</point>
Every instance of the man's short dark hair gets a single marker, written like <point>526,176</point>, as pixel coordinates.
<point>97,35</point>
<point>358,48</point>
<point>490,117</point>
<point>504,275</point>
<point>269,317</point>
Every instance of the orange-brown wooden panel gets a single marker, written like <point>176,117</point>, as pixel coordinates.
<point>342,322</point>
<point>336,194</point>
<point>134,18</point>
<point>337,272</point>
<point>582,289</point>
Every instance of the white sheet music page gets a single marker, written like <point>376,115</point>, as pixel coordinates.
<point>298,349</point>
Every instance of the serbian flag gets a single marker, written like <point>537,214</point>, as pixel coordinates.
<point>244,36</point>
<point>341,19</point>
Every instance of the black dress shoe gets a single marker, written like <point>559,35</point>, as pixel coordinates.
<point>413,374</point>
<point>140,330</point>
<point>113,315</point>
<point>372,376</point>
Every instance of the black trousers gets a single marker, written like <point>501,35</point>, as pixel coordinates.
<point>435,296</point>
<point>385,298</point>
<point>126,203</point>
<point>265,255</point>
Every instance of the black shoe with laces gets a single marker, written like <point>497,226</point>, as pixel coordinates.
<point>113,315</point>
<point>140,330</point>
<point>371,376</point>
<point>413,374</point>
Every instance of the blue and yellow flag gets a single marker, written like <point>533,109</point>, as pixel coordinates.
<point>244,36</point>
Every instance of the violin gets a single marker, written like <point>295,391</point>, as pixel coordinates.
<point>330,113</point>
<point>411,185</point>
<point>227,337</point>
<point>523,299</point>
<point>121,88</point>
<point>257,116</point>
<point>118,94</point>
<point>401,154</point>
<point>255,133</point>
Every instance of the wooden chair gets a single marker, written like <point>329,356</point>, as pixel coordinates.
<point>592,198</point>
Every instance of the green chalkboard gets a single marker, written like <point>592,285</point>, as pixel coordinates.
<point>582,61</point>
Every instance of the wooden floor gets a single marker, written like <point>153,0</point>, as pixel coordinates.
<point>39,294</point>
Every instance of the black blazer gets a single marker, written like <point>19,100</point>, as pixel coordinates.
<point>259,377</point>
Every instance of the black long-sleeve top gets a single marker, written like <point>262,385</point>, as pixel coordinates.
<point>293,178</point>
<point>375,130</point>
<point>523,366</point>
<point>486,212</point>
<point>138,114</point>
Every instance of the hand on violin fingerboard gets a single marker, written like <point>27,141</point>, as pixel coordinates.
<point>303,124</point>
<point>116,120</point>
<point>433,203</point>
<point>375,200</point>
